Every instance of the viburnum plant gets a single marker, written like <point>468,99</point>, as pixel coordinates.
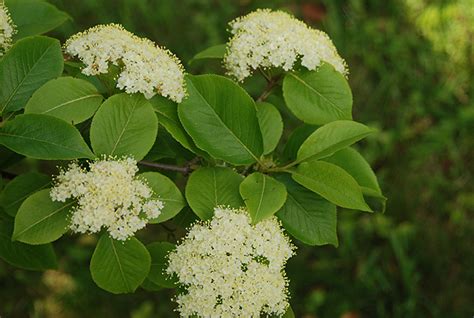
<point>109,107</point>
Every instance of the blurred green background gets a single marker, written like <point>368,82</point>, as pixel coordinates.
<point>411,72</point>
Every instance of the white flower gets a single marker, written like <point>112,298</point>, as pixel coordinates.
<point>7,29</point>
<point>266,38</point>
<point>145,67</point>
<point>230,268</point>
<point>108,196</point>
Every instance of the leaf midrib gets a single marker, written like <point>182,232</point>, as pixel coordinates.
<point>24,77</point>
<point>45,142</point>
<point>70,102</point>
<point>16,235</point>
<point>334,146</point>
<point>223,124</point>
<point>341,112</point>
<point>124,128</point>
<point>122,274</point>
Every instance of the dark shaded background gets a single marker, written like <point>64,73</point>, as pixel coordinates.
<point>411,70</point>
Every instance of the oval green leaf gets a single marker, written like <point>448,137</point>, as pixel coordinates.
<point>271,126</point>
<point>263,195</point>
<point>210,187</point>
<point>40,220</point>
<point>17,190</point>
<point>124,125</point>
<point>330,138</point>
<point>119,267</point>
<point>44,137</point>
<point>167,113</point>
<point>307,216</point>
<point>33,17</point>
<point>71,99</point>
<point>332,183</point>
<point>31,257</point>
<point>213,52</point>
<point>221,118</point>
<point>167,191</point>
<point>353,163</point>
<point>318,97</point>
<point>30,63</point>
<point>159,262</point>
<point>295,140</point>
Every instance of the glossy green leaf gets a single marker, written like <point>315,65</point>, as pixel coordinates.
<point>33,17</point>
<point>167,112</point>
<point>119,266</point>
<point>353,163</point>
<point>167,191</point>
<point>31,257</point>
<point>295,140</point>
<point>271,126</point>
<point>124,125</point>
<point>159,253</point>
<point>213,52</point>
<point>332,183</point>
<point>17,190</point>
<point>210,187</point>
<point>318,97</point>
<point>40,220</point>
<point>71,99</point>
<point>330,138</point>
<point>222,120</point>
<point>44,137</point>
<point>307,216</point>
<point>30,63</point>
<point>263,195</point>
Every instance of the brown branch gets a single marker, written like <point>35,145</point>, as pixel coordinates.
<point>163,166</point>
<point>268,89</point>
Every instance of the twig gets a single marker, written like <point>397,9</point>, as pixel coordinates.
<point>163,166</point>
<point>268,89</point>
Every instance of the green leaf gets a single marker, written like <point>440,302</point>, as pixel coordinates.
<point>148,285</point>
<point>119,267</point>
<point>33,17</point>
<point>289,313</point>
<point>221,118</point>
<point>167,112</point>
<point>353,163</point>
<point>17,190</point>
<point>295,140</point>
<point>307,216</point>
<point>31,257</point>
<point>124,125</point>
<point>330,138</point>
<point>271,126</point>
<point>318,97</point>
<point>71,99</point>
<point>332,183</point>
<point>44,137</point>
<point>30,63</point>
<point>263,195</point>
<point>210,187</point>
<point>213,52</point>
<point>41,220</point>
<point>159,262</point>
<point>167,191</point>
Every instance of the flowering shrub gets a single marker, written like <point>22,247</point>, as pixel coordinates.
<point>108,107</point>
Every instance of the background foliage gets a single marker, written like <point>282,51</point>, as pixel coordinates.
<point>411,67</point>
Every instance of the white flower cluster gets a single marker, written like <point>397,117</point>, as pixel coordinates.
<point>145,67</point>
<point>7,29</point>
<point>230,268</point>
<point>266,38</point>
<point>108,195</point>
